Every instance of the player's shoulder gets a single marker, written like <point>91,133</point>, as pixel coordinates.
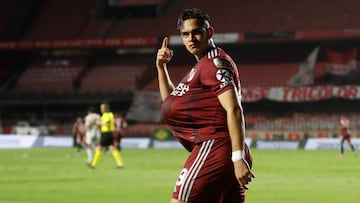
<point>216,52</point>
<point>218,58</point>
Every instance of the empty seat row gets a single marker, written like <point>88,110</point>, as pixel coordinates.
<point>73,78</point>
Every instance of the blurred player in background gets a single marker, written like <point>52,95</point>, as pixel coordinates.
<point>78,131</point>
<point>92,135</point>
<point>205,115</point>
<point>345,135</point>
<point>107,137</point>
<point>119,131</point>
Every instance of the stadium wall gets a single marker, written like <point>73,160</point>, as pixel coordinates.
<point>33,141</point>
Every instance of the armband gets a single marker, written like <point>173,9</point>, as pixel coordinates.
<point>237,155</point>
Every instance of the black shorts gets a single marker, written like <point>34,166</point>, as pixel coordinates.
<point>107,139</point>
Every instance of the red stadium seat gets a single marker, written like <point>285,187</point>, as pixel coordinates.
<point>54,76</point>
<point>59,20</point>
<point>112,78</point>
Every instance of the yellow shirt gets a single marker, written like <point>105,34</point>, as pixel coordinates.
<point>108,121</point>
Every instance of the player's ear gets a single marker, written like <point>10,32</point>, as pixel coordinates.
<point>210,32</point>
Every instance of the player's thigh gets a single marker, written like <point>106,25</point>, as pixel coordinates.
<point>88,138</point>
<point>97,136</point>
<point>207,174</point>
<point>348,139</point>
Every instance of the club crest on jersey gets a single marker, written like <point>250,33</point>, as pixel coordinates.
<point>218,63</point>
<point>224,76</point>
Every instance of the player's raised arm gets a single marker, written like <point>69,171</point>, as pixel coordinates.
<point>164,55</point>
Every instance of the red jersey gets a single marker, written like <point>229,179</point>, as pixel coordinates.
<point>345,124</point>
<point>78,129</point>
<point>192,111</point>
<point>120,125</point>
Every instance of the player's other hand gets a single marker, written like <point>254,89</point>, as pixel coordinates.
<point>243,173</point>
<point>164,54</point>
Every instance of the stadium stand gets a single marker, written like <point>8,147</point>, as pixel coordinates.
<point>5,69</point>
<point>137,2</point>
<point>51,20</point>
<point>59,20</point>
<point>7,10</point>
<point>142,129</point>
<point>301,121</point>
<point>51,75</point>
<point>137,26</point>
<point>94,29</point>
<point>251,75</point>
<point>262,75</point>
<point>67,19</point>
<point>112,78</point>
<point>275,17</point>
<point>177,73</point>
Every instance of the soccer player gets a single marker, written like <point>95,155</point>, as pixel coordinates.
<point>119,131</point>
<point>92,135</point>
<point>205,115</point>
<point>78,131</point>
<point>107,137</point>
<point>345,135</point>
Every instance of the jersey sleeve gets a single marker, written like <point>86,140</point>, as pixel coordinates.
<point>218,74</point>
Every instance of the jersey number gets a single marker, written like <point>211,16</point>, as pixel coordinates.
<point>182,176</point>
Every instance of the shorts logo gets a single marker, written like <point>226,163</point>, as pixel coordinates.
<point>224,76</point>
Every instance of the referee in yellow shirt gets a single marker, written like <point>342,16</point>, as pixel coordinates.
<point>107,137</point>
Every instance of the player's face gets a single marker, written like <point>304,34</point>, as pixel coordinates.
<point>195,38</point>
<point>103,108</point>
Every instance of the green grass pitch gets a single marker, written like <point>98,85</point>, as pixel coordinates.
<point>49,175</point>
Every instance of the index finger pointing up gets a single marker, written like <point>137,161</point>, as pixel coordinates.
<point>165,42</point>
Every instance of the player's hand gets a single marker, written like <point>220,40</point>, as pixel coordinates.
<point>164,54</point>
<point>243,173</point>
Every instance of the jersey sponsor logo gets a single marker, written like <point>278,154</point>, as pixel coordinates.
<point>180,90</point>
<point>224,76</point>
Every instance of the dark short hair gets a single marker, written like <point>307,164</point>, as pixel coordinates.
<point>194,13</point>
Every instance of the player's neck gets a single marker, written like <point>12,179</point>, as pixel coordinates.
<point>200,56</point>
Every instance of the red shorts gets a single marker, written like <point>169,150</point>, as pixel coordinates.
<point>346,137</point>
<point>208,175</point>
<point>79,139</point>
<point>117,135</point>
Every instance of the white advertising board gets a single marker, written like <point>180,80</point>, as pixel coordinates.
<point>329,143</point>
<point>17,141</point>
